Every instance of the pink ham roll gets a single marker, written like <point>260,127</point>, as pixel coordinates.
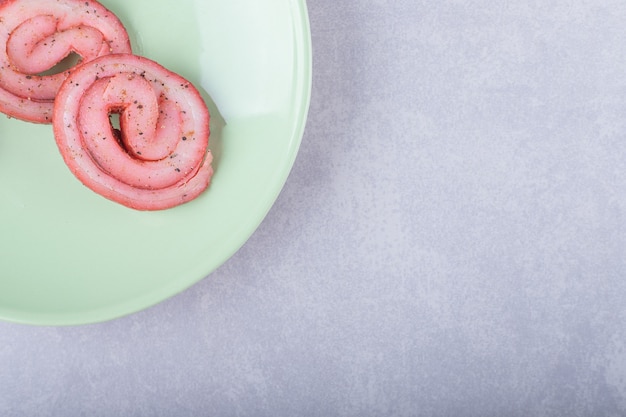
<point>36,35</point>
<point>159,156</point>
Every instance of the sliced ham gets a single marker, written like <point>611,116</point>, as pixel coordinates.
<point>159,156</point>
<point>35,35</point>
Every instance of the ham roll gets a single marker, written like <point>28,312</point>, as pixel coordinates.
<point>158,156</point>
<point>36,35</point>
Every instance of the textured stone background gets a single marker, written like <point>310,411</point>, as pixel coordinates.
<point>451,242</point>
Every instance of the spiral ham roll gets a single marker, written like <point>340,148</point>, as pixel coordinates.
<point>159,156</point>
<point>35,35</point>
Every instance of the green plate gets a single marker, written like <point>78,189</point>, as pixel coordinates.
<point>69,256</point>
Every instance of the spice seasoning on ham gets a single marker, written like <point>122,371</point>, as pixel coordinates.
<point>159,156</point>
<point>36,35</point>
